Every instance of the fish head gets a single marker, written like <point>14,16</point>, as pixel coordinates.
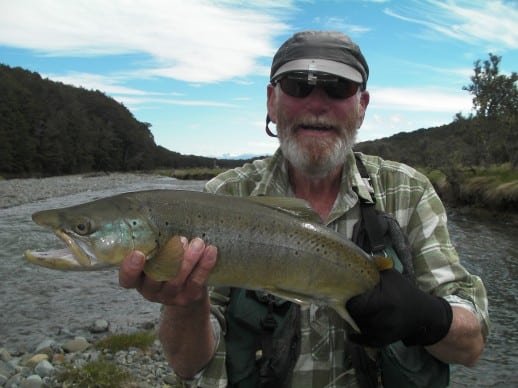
<point>97,234</point>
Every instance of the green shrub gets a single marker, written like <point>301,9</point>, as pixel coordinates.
<point>114,343</point>
<point>95,374</point>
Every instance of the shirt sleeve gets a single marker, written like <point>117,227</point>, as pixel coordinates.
<point>408,195</point>
<point>436,263</point>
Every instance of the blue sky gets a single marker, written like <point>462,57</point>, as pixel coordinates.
<point>197,70</point>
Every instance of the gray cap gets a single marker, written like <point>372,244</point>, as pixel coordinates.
<point>321,51</point>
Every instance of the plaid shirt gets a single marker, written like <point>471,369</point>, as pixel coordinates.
<point>399,190</point>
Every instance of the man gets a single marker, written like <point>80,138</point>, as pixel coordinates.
<point>317,98</point>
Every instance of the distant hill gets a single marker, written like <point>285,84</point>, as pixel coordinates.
<point>465,142</point>
<point>49,128</point>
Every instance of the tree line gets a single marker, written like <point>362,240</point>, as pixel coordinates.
<point>483,138</point>
<point>49,128</point>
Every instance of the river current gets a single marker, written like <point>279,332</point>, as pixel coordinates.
<point>37,303</point>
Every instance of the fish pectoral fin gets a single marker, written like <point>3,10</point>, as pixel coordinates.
<point>339,307</point>
<point>165,264</point>
<point>293,206</point>
<point>383,262</point>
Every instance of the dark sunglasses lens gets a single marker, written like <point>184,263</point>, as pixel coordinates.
<point>342,89</point>
<point>300,88</point>
<point>295,87</point>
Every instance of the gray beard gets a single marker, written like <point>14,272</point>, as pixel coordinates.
<point>321,156</point>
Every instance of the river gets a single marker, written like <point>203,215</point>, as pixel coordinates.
<point>37,303</point>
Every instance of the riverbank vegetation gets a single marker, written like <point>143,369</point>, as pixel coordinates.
<point>48,128</point>
<point>103,371</point>
<point>474,159</point>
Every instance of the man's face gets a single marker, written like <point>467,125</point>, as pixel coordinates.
<point>316,130</point>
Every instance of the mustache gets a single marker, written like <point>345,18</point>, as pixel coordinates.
<point>314,122</point>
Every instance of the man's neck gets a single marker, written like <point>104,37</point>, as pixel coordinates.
<point>319,192</point>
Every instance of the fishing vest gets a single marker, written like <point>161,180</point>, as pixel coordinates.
<point>263,331</point>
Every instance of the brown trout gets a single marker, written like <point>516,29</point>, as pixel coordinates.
<point>274,244</point>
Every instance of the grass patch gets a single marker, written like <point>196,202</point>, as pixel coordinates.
<point>503,173</point>
<point>114,343</point>
<point>492,187</point>
<point>98,374</point>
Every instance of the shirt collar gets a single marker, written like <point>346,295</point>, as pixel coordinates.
<point>275,182</point>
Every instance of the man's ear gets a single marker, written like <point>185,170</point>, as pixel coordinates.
<point>362,108</point>
<point>271,102</point>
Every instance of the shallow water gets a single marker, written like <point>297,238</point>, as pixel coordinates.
<point>37,303</point>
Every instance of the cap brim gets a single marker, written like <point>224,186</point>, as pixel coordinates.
<point>320,65</point>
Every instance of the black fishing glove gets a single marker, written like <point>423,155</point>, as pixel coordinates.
<point>397,310</point>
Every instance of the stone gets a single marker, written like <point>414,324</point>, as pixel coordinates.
<point>58,357</point>
<point>7,369</point>
<point>77,344</point>
<point>5,355</point>
<point>36,359</point>
<point>45,346</point>
<point>99,326</point>
<point>33,381</point>
<point>44,369</point>
<point>170,379</point>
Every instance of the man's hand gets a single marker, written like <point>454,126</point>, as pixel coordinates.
<point>397,310</point>
<point>188,287</point>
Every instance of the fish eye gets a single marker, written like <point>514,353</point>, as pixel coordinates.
<point>83,228</point>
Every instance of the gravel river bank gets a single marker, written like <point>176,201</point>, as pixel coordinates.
<point>15,192</point>
<point>44,311</point>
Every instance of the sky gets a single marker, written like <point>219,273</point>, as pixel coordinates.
<point>197,70</point>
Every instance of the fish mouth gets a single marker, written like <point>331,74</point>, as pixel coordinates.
<point>73,257</point>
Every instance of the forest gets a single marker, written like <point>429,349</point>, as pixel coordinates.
<point>49,128</point>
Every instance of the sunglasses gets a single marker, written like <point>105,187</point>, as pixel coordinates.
<point>301,84</point>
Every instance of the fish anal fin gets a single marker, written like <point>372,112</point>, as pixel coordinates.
<point>165,264</point>
<point>293,206</point>
<point>302,299</point>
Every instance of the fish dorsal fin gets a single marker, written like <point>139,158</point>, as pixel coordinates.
<point>294,206</point>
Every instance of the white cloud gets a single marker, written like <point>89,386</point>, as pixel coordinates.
<point>107,84</point>
<point>419,99</point>
<point>489,23</point>
<point>341,24</point>
<point>194,41</point>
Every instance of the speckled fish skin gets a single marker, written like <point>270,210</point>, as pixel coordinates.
<point>261,245</point>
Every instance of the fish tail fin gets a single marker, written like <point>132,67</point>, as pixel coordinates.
<point>166,263</point>
<point>342,311</point>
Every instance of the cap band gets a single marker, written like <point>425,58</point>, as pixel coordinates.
<point>322,66</point>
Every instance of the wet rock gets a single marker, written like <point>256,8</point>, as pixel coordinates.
<point>77,344</point>
<point>36,359</point>
<point>33,381</point>
<point>44,369</point>
<point>99,326</point>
